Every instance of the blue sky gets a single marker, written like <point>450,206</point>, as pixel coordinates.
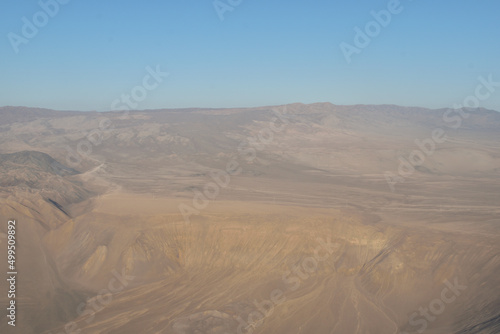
<point>263,53</point>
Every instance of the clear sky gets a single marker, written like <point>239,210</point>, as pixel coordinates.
<point>263,52</point>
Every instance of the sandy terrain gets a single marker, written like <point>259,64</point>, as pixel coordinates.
<point>252,221</point>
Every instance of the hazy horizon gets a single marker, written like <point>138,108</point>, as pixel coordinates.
<point>247,107</point>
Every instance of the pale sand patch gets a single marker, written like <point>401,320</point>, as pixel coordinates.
<point>127,203</point>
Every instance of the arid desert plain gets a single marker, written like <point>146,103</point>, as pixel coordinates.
<point>303,219</point>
